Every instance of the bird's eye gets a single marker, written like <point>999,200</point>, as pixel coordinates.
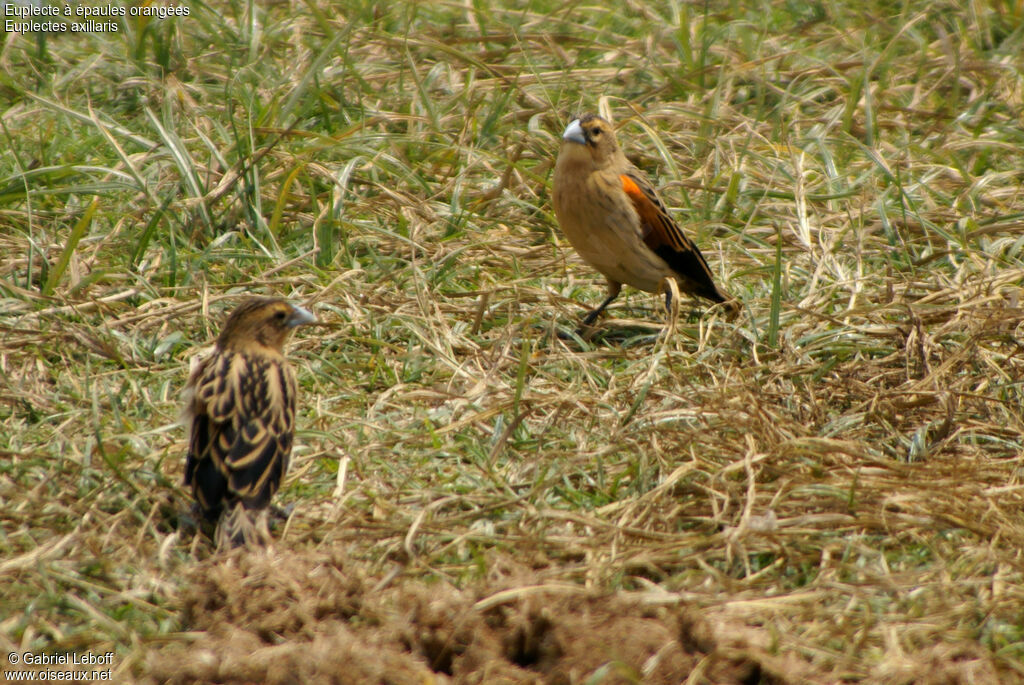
<point>281,315</point>
<point>595,132</point>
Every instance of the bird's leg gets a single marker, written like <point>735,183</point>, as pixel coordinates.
<point>614,288</point>
<point>589,318</point>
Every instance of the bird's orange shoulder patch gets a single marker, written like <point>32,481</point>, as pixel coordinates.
<point>655,224</point>
<point>636,194</point>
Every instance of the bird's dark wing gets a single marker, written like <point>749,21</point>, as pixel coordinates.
<point>243,413</point>
<point>665,238</point>
<point>258,457</point>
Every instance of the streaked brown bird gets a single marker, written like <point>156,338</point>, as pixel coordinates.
<point>240,406</point>
<point>610,213</point>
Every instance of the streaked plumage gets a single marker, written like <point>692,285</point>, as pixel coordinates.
<point>617,223</point>
<point>240,406</point>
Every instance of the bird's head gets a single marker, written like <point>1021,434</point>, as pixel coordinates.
<point>262,322</point>
<point>590,135</point>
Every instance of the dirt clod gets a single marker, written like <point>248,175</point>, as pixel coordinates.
<point>302,617</point>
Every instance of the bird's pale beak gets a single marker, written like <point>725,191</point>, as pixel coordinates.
<point>574,133</point>
<point>300,317</point>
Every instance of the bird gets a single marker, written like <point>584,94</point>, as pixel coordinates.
<point>615,220</point>
<point>240,411</point>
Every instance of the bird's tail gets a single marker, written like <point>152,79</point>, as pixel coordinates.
<point>729,304</point>
<point>239,526</point>
<point>732,305</point>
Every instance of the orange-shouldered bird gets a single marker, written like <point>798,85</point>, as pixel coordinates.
<point>240,406</point>
<point>610,213</point>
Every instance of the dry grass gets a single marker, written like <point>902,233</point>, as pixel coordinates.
<point>833,483</point>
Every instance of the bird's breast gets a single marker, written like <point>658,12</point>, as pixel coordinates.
<point>602,224</point>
